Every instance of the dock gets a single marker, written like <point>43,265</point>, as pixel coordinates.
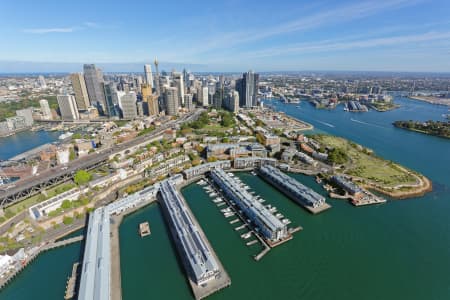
<point>144,229</point>
<point>301,194</point>
<point>205,272</point>
<point>71,283</point>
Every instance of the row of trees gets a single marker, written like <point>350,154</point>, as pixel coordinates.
<point>437,128</point>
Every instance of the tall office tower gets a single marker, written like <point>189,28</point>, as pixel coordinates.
<point>129,108</point>
<point>68,107</point>
<point>41,81</point>
<point>45,110</point>
<point>146,92</point>
<point>148,75</point>
<point>248,89</point>
<point>171,101</point>
<point>157,85</point>
<point>188,103</point>
<point>27,113</point>
<point>178,81</point>
<point>205,96</point>
<point>218,98</point>
<point>152,105</point>
<point>186,78</point>
<point>112,99</point>
<point>94,84</point>
<point>80,90</point>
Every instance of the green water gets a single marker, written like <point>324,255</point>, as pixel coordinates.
<point>398,250</point>
<point>46,277</point>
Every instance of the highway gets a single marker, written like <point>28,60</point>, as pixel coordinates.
<point>28,186</point>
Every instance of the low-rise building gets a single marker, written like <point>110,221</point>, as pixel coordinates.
<point>204,168</point>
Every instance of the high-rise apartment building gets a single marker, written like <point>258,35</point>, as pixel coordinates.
<point>68,107</point>
<point>95,87</point>
<point>129,108</point>
<point>45,110</point>
<point>248,89</point>
<point>231,102</point>
<point>80,90</point>
<point>178,82</point>
<point>188,101</point>
<point>171,102</point>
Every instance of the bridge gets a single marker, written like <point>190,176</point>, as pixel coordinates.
<point>28,187</point>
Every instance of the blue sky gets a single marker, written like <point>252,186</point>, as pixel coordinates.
<point>382,35</point>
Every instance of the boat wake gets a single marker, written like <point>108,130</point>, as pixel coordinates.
<point>326,124</point>
<point>365,123</point>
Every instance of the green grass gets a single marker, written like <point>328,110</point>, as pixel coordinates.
<point>366,166</point>
<point>22,205</point>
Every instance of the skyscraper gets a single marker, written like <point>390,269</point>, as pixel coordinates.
<point>205,96</point>
<point>129,108</point>
<point>218,98</point>
<point>231,102</point>
<point>152,105</point>
<point>188,101</point>
<point>148,75</point>
<point>68,107</point>
<point>94,84</point>
<point>112,100</point>
<point>171,101</point>
<point>178,81</point>
<point>248,89</point>
<point>80,90</point>
<point>157,85</point>
<point>45,110</point>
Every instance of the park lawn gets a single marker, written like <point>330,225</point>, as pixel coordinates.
<point>368,166</point>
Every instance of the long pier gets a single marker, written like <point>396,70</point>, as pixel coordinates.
<point>303,195</point>
<point>206,274</point>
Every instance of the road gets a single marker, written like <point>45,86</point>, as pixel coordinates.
<point>13,194</point>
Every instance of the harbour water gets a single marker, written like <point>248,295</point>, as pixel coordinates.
<point>23,141</point>
<point>398,250</point>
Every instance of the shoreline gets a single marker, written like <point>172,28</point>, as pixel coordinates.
<point>422,132</point>
<point>431,100</point>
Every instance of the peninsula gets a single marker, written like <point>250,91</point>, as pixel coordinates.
<point>436,128</point>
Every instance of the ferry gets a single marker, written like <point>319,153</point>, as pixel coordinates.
<point>65,135</point>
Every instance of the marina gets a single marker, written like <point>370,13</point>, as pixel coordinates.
<point>301,194</point>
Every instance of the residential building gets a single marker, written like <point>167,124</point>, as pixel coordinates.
<point>80,90</point>
<point>27,113</point>
<point>171,102</point>
<point>248,89</point>
<point>188,104</point>
<point>68,107</point>
<point>45,110</point>
<point>129,109</point>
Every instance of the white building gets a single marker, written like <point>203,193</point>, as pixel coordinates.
<point>204,99</point>
<point>45,110</point>
<point>68,107</point>
<point>148,75</point>
<point>27,113</point>
<point>129,108</point>
<point>62,156</point>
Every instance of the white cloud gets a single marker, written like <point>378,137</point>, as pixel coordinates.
<point>50,30</point>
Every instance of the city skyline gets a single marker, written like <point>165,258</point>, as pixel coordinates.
<point>232,36</point>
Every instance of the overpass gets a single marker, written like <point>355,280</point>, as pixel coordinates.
<point>28,187</point>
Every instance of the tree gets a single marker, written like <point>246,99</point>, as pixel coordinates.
<point>67,220</point>
<point>82,177</point>
<point>66,204</point>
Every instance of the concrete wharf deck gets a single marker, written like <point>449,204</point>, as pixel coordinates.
<point>301,194</point>
<point>206,274</point>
